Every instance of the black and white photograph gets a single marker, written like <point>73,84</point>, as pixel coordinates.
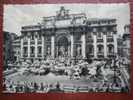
<point>66,48</point>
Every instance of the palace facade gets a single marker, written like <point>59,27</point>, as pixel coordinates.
<point>127,42</point>
<point>69,35</point>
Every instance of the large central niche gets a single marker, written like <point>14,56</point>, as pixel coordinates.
<point>63,44</point>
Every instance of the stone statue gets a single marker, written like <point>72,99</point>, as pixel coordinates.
<point>78,50</point>
<point>62,50</point>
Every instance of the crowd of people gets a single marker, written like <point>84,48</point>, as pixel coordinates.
<point>28,87</point>
<point>34,87</point>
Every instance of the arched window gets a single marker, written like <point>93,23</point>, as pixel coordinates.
<point>100,48</point>
<point>111,48</point>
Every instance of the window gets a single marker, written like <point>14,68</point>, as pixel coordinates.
<point>90,49</point>
<point>110,48</point>
<point>39,49</point>
<point>32,50</point>
<point>39,37</point>
<point>89,35</point>
<point>32,37</point>
<point>25,50</point>
<point>25,37</point>
<point>99,35</point>
<point>110,34</point>
<point>100,48</point>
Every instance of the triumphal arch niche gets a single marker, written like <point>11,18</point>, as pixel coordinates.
<point>63,44</point>
<point>66,33</point>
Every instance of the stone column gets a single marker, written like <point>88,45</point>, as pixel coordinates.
<point>57,51</point>
<point>36,45</point>
<point>95,45</point>
<point>43,46</point>
<point>17,56</point>
<point>69,51</point>
<point>115,43</point>
<point>83,45</point>
<point>105,44</point>
<point>21,52</point>
<point>52,46</point>
<point>28,45</point>
<point>72,45</point>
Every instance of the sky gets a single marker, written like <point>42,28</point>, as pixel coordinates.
<point>16,16</point>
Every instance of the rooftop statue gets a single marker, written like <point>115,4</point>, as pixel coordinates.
<point>63,13</point>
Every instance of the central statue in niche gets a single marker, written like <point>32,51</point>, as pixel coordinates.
<point>63,46</point>
<point>62,51</point>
